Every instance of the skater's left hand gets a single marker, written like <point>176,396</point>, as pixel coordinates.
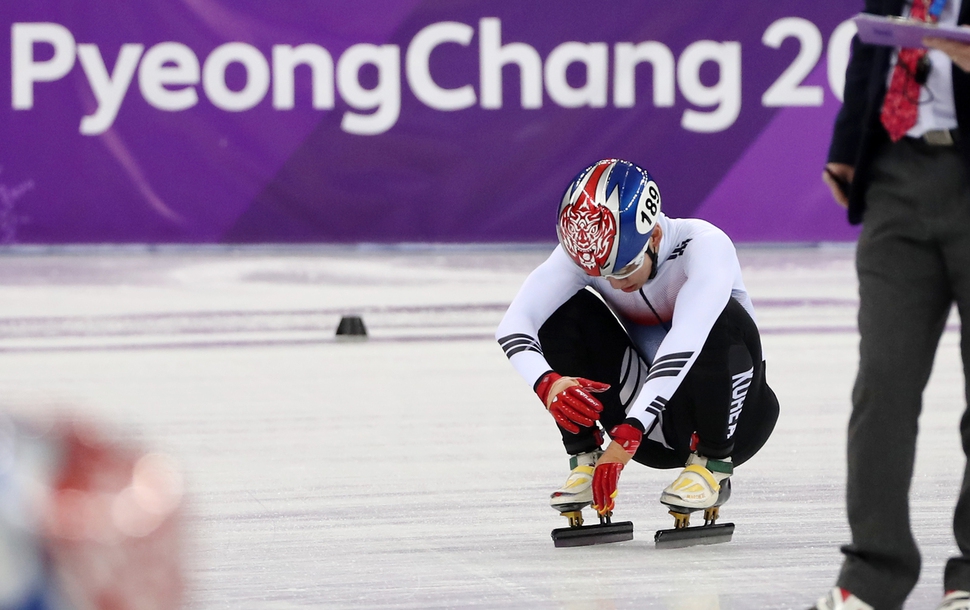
<point>570,400</point>
<point>626,439</point>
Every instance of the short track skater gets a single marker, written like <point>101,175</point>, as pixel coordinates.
<point>640,325</point>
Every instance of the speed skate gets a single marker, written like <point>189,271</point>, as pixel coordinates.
<point>575,495</point>
<point>603,532</point>
<point>701,482</point>
<point>682,535</point>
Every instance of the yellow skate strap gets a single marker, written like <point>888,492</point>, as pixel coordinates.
<point>579,476</point>
<point>705,474</point>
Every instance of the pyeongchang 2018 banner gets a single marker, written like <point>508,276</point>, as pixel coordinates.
<point>243,121</point>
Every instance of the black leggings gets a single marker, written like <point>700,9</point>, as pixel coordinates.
<point>584,339</point>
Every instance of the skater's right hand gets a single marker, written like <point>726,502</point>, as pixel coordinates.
<point>570,400</point>
<point>606,478</point>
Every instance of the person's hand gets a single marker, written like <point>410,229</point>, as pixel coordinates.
<point>570,400</point>
<point>626,441</point>
<point>839,176</point>
<point>959,52</point>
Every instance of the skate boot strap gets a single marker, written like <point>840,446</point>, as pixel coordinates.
<point>584,459</point>
<point>722,467</point>
<point>578,483</point>
<point>587,470</point>
<point>705,474</point>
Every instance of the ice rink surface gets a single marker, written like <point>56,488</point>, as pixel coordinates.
<point>412,470</point>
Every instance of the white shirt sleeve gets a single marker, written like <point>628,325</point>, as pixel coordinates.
<point>711,266</point>
<point>550,285</point>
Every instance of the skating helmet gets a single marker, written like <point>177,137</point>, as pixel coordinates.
<point>607,215</point>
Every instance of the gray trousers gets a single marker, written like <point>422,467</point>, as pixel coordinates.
<point>913,262</point>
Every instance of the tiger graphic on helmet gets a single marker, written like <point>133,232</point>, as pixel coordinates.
<point>607,214</point>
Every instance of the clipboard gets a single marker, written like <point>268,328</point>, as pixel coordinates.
<point>904,32</point>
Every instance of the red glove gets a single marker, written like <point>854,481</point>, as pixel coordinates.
<point>571,404</point>
<point>626,438</point>
<point>605,480</point>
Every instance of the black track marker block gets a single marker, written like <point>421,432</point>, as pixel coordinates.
<point>586,535</point>
<point>351,327</point>
<point>692,536</point>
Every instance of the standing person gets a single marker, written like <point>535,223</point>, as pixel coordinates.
<point>642,322</point>
<point>900,150</point>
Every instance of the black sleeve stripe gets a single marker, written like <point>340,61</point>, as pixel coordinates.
<point>517,337</point>
<point>526,348</point>
<point>508,338</point>
<point>670,364</point>
<point>678,356</point>
<point>519,342</point>
<point>656,407</point>
<point>665,373</point>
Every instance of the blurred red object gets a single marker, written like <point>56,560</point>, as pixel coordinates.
<point>112,524</point>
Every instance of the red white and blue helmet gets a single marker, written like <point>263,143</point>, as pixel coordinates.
<point>607,215</point>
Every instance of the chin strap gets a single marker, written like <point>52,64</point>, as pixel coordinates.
<point>653,259</point>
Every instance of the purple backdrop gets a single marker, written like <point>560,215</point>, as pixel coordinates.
<point>143,122</point>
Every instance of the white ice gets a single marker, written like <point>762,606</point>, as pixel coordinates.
<point>412,470</point>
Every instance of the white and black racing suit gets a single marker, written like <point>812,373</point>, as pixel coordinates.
<point>682,354</point>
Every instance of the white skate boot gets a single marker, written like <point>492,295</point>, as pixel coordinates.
<point>699,485</point>
<point>575,495</point>
<point>703,484</point>
<point>840,599</point>
<point>956,600</point>
<point>577,492</point>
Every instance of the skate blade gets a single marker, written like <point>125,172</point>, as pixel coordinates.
<point>586,535</point>
<point>693,536</point>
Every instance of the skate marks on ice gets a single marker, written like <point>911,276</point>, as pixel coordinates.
<point>129,299</point>
<point>228,329</point>
<point>414,472</point>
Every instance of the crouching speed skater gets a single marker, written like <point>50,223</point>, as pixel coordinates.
<point>640,325</point>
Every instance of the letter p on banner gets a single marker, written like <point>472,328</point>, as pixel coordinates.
<point>25,70</point>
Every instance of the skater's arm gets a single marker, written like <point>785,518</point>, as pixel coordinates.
<point>550,285</point>
<point>569,400</point>
<point>713,272</point>
<point>626,440</point>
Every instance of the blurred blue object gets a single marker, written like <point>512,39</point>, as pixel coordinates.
<point>26,459</point>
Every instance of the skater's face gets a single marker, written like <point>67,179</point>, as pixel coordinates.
<point>635,280</point>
